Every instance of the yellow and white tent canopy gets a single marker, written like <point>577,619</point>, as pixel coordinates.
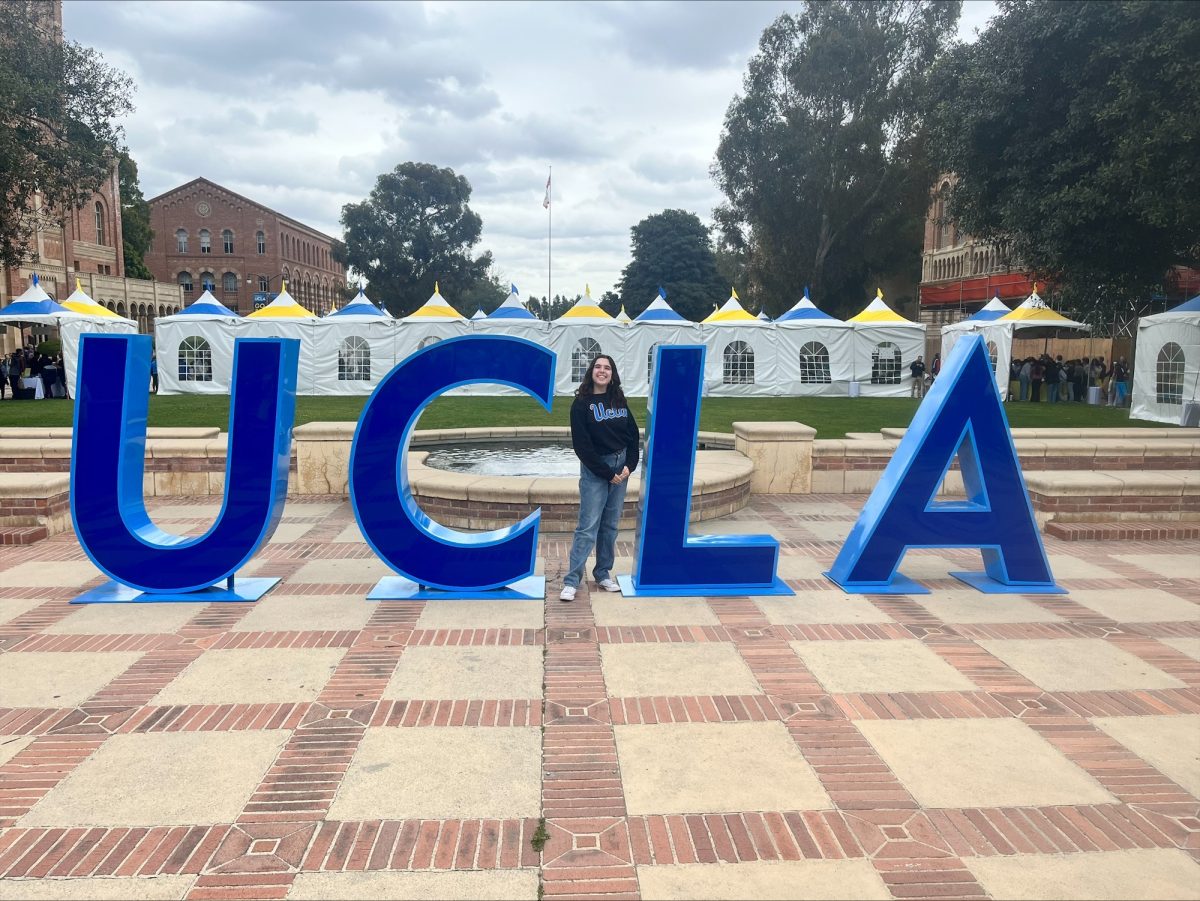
<point>878,312</point>
<point>79,302</point>
<point>1033,311</point>
<point>435,309</point>
<point>284,306</point>
<point>585,310</point>
<point>732,313</point>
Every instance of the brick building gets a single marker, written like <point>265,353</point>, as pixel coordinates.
<point>208,237</point>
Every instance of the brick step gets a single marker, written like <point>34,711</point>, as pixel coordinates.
<point>22,534</point>
<point>1124,531</point>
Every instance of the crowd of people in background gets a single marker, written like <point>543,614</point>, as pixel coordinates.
<point>27,363</point>
<point>1052,380</point>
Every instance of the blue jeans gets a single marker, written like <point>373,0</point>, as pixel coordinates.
<point>600,504</point>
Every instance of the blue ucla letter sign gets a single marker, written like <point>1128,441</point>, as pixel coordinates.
<point>961,413</point>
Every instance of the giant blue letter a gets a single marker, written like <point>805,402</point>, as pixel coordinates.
<point>961,413</point>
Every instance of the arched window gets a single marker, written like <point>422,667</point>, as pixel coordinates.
<point>354,360</point>
<point>227,240</point>
<point>993,354</point>
<point>205,241</point>
<point>814,364</point>
<point>185,282</point>
<point>121,309</point>
<point>195,360</point>
<point>738,366</point>
<point>229,283</point>
<point>885,364</point>
<point>99,222</point>
<point>428,341</point>
<point>650,362</point>
<point>181,240</point>
<point>941,224</point>
<point>586,350</point>
<point>1168,374</point>
<point>262,242</point>
<point>207,282</point>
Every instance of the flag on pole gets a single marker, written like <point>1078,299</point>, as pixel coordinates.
<point>546,201</point>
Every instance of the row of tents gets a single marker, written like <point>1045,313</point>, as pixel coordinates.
<point>803,352</point>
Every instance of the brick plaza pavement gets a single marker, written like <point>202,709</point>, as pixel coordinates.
<point>318,745</point>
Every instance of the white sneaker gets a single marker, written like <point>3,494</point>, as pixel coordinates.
<point>567,594</point>
<point>609,584</point>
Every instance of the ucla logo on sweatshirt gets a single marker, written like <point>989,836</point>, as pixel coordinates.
<point>600,412</point>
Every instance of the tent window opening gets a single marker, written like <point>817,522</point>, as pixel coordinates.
<point>207,282</point>
<point>195,360</point>
<point>993,355</point>
<point>1168,374</point>
<point>181,241</point>
<point>227,240</point>
<point>885,364</point>
<point>428,341</point>
<point>354,360</point>
<point>185,282</point>
<point>814,364</point>
<point>738,364</point>
<point>586,350</point>
<point>650,362</point>
<point>205,241</point>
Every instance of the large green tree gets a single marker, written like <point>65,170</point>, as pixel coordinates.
<point>59,103</point>
<point>823,157</point>
<point>672,250</point>
<point>135,220</point>
<point>414,230</point>
<point>1074,132</point>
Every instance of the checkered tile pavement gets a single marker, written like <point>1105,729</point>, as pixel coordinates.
<point>318,745</point>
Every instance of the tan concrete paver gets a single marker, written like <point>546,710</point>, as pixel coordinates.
<point>451,886</point>
<point>1170,566</point>
<point>883,666</point>
<point>715,767</point>
<point>979,763</point>
<point>12,745</point>
<point>158,888</point>
<point>63,574</point>
<point>1065,566</point>
<point>11,608</point>
<point>1189,646</point>
<point>1078,664</point>
<point>793,566</point>
<point>352,533</point>
<point>971,606</point>
<point>646,670</point>
<point>615,610</point>
<point>124,619</point>
<point>38,679</point>
<point>923,566</point>
<point>1111,876</point>
<point>306,613</point>
<point>162,778</point>
<point>1170,744</point>
<point>371,569</point>
<point>1145,605</point>
<point>253,676</point>
<point>482,615</point>
<point>827,530</point>
<point>809,607</point>
<point>167,512</point>
<point>439,772</point>
<point>782,880</point>
<point>287,532</point>
<point>307,511</point>
<point>451,673</point>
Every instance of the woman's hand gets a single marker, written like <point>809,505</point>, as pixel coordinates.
<point>621,476</point>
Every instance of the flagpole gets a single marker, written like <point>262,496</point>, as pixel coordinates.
<point>549,239</point>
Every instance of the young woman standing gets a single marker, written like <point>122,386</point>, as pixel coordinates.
<point>605,437</point>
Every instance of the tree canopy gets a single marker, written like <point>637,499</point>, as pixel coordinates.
<point>414,230</point>
<point>58,135</point>
<point>823,158</point>
<point>1074,133</point>
<point>672,250</point>
<point>135,220</point>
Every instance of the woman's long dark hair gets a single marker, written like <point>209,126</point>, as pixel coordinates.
<point>588,386</point>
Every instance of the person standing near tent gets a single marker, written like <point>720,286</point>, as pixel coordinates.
<point>153,374</point>
<point>917,369</point>
<point>605,437</point>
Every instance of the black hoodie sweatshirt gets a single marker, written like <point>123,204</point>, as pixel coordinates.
<point>600,427</point>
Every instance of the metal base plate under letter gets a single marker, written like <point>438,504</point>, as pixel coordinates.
<point>986,584</point>
<point>777,587</point>
<point>244,591</point>
<point>900,584</point>
<point>398,588</point>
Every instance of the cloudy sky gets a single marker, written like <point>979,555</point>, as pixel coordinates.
<point>301,105</point>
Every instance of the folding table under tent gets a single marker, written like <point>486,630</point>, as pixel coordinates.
<point>814,351</point>
<point>741,358</point>
<point>1166,363</point>
<point>510,318</point>
<point>194,347</point>
<point>993,310</point>
<point>885,345</point>
<point>658,324</point>
<point>580,335</point>
<point>100,320</point>
<point>355,348</point>
<point>284,317</point>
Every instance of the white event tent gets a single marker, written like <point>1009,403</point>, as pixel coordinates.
<point>355,347</point>
<point>194,347</point>
<point>580,335</point>
<point>994,309</point>
<point>1166,365</point>
<point>285,317</point>
<point>655,325</point>
<point>885,344</point>
<point>510,318</point>
<point>815,351</point>
<point>741,358</point>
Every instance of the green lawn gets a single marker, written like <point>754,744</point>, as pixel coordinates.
<point>832,417</point>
